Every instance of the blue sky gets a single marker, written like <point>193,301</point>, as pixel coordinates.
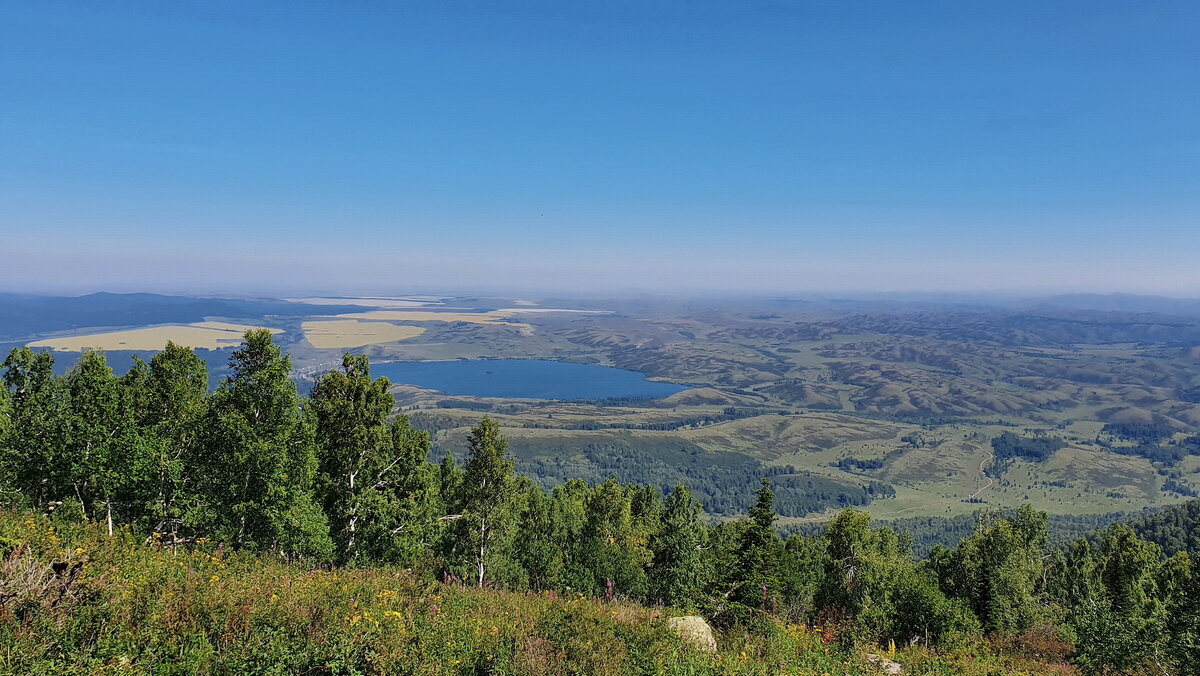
<point>563,146</point>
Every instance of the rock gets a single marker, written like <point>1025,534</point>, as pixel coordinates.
<point>885,665</point>
<point>694,631</point>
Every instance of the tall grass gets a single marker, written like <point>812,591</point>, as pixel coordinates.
<point>76,601</point>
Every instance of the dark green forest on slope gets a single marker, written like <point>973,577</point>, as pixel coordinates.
<point>335,482</point>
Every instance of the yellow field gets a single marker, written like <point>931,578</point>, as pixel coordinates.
<point>365,302</point>
<point>535,310</point>
<point>226,326</point>
<point>205,335</point>
<point>340,333</point>
<point>495,317</point>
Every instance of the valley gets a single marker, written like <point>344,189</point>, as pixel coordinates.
<point>889,406</point>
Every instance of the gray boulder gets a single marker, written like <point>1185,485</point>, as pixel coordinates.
<point>694,631</point>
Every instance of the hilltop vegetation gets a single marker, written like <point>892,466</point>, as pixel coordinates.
<point>250,529</point>
<point>74,600</point>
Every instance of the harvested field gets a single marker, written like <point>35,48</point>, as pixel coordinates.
<point>365,302</point>
<point>495,317</point>
<point>343,333</point>
<point>203,335</point>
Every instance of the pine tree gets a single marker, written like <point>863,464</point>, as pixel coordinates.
<point>756,588</point>
<point>1180,588</point>
<point>678,574</point>
<point>1123,627</point>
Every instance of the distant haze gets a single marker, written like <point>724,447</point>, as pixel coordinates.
<point>667,147</point>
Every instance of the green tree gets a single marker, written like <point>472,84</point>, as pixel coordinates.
<point>258,457</point>
<point>367,466</point>
<point>97,467</point>
<point>569,508</point>
<point>610,548</point>
<point>998,570</point>
<point>678,575</point>
<point>872,586</point>
<point>755,586</point>
<point>801,566</point>
<point>449,480</point>
<point>545,540</point>
<point>1123,625</point>
<point>40,466</point>
<point>7,459</point>
<point>484,496</point>
<point>1179,586</point>
<point>176,405</point>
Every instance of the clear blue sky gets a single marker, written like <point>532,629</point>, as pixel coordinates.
<point>740,146</point>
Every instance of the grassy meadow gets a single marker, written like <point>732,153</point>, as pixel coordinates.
<point>76,601</point>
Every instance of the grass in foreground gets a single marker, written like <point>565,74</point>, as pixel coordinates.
<point>75,601</point>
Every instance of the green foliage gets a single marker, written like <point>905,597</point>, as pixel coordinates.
<point>997,570</point>
<point>1175,528</point>
<point>41,469</point>
<point>1034,449</point>
<point>1147,433</point>
<point>1179,582</point>
<point>754,580</point>
<point>253,474</point>
<point>724,482</point>
<point>6,456</point>
<point>256,450</point>
<point>121,607</point>
<point>611,546</point>
<point>873,587</point>
<point>1119,617</point>
<point>371,482</point>
<point>679,572</point>
<point>176,404</point>
<point>484,499</point>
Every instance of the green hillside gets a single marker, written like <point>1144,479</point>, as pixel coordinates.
<point>154,526</point>
<point>76,601</point>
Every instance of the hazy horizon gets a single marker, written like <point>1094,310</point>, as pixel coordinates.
<point>659,147</point>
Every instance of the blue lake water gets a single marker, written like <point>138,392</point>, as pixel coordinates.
<point>523,378</point>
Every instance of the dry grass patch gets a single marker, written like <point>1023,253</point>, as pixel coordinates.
<point>365,302</point>
<point>204,335</point>
<point>343,333</point>
<point>494,318</point>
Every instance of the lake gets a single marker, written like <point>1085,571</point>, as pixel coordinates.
<point>523,378</point>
